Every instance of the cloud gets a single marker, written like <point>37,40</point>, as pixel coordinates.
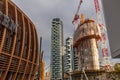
<point>41,12</point>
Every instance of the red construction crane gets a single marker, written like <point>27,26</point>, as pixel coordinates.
<point>76,17</point>
<point>103,40</point>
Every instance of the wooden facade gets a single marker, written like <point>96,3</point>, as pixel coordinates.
<point>19,49</point>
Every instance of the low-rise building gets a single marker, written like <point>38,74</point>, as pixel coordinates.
<point>47,75</point>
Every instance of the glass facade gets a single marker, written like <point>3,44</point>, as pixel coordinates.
<point>56,49</point>
<point>68,56</point>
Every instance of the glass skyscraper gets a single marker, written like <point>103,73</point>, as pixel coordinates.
<point>68,56</point>
<point>56,49</point>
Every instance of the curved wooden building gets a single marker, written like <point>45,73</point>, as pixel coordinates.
<point>18,44</point>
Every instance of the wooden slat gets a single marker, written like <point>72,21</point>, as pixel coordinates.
<point>28,78</point>
<point>13,48</point>
<point>4,29</point>
<point>36,47</point>
<point>23,63</point>
<point>34,43</point>
<point>29,43</point>
<point>4,33</point>
<point>22,48</point>
<point>16,21</point>
<point>23,41</point>
<point>34,50</point>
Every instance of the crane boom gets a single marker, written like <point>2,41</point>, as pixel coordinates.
<point>76,17</point>
<point>79,6</point>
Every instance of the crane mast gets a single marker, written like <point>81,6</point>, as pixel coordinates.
<point>103,31</point>
<point>103,39</point>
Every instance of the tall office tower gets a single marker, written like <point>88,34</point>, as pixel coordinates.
<point>56,49</point>
<point>68,56</point>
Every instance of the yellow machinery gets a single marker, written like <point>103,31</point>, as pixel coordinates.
<point>42,69</point>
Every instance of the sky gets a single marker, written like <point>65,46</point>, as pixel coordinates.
<point>41,13</point>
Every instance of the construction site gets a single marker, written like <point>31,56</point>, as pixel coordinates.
<point>21,57</point>
<point>87,37</point>
<point>86,51</point>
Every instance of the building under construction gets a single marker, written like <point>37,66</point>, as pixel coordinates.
<point>85,45</point>
<point>18,44</point>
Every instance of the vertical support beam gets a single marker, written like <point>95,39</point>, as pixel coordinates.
<point>13,48</point>
<point>29,42</point>
<point>16,21</point>
<point>4,32</point>
<point>22,47</point>
<point>34,49</point>
<point>29,47</point>
<point>30,74</point>
<point>24,40</point>
<point>4,29</point>
<point>37,52</point>
<point>37,55</point>
<point>3,39</point>
<point>34,43</point>
<point>6,7</point>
